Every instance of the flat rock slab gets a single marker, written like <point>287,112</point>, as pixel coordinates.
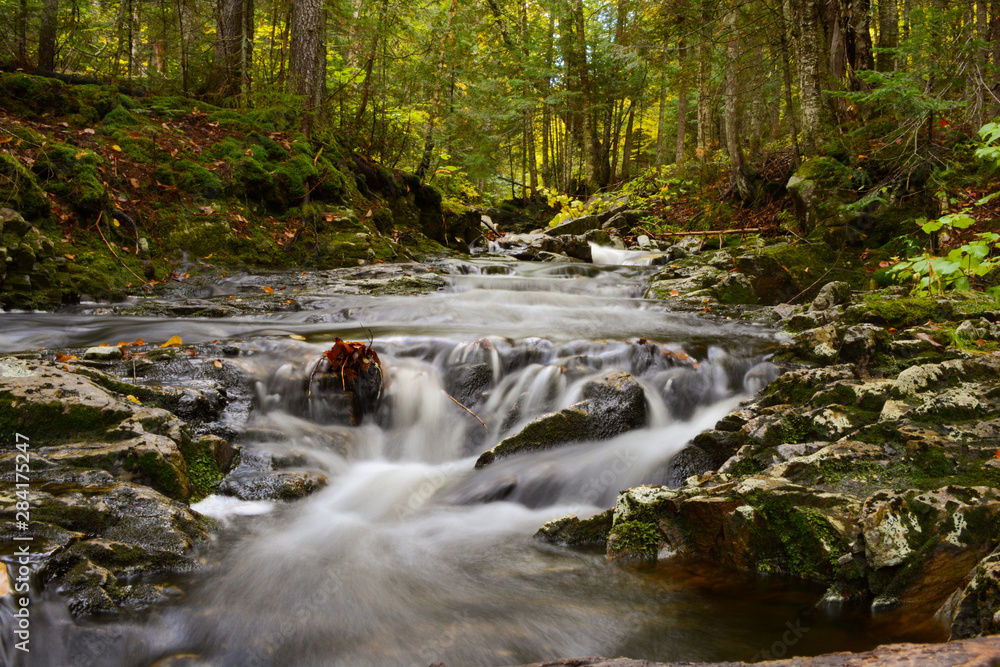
<point>981,652</point>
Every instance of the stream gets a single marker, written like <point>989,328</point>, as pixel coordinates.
<point>410,556</point>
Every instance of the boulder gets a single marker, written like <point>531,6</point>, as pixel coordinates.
<point>762,524</point>
<point>920,545</point>
<point>612,404</point>
<point>974,609</point>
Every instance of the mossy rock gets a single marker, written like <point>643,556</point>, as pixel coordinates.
<point>900,312</point>
<point>633,540</point>
<point>73,175</point>
<point>19,189</point>
<point>120,117</point>
<point>32,95</point>
<point>194,179</point>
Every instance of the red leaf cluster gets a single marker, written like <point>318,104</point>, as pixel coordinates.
<point>351,360</point>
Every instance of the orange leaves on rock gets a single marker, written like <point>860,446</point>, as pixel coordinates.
<point>674,292</point>
<point>62,358</point>
<point>350,360</point>
<point>269,290</point>
<point>175,341</point>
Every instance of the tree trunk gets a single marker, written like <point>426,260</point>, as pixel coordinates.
<point>888,34</point>
<point>737,162</point>
<point>809,78</point>
<point>786,72</point>
<point>22,33</point>
<point>705,138</point>
<point>47,35</point>
<point>306,66</point>
<point>863,58</point>
<point>995,41</point>
<point>590,158</point>
<point>661,124</point>
<point>682,101</point>
<point>627,151</point>
<point>235,45</point>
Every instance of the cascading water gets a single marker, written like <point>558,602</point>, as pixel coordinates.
<point>411,556</point>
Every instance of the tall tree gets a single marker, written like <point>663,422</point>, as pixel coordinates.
<point>234,45</point>
<point>307,57</point>
<point>47,35</point>
<point>737,162</point>
<point>888,34</point>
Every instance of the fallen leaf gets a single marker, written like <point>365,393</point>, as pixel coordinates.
<point>133,399</point>
<point>926,337</point>
<point>190,351</point>
<point>61,358</point>
<point>269,290</point>
<point>4,583</point>
<point>296,337</point>
<point>674,292</point>
<point>116,148</point>
<point>174,341</point>
<point>980,342</point>
<point>217,363</point>
<point>134,182</point>
<point>70,257</point>
<point>209,256</point>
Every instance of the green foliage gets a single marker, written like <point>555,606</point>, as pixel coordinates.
<point>935,275</point>
<point>990,150</point>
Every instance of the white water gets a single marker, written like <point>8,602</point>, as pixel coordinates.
<point>409,555</point>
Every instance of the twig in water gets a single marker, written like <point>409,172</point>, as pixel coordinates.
<point>466,409</point>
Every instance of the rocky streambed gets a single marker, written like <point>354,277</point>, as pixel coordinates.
<point>863,455</point>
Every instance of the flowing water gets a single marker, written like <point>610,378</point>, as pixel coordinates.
<point>410,556</point>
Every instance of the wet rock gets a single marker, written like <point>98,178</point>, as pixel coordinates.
<point>968,652</point>
<point>571,531</point>
<point>920,545</point>
<point>690,461</point>
<point>821,344</point>
<point>758,523</point>
<point>103,353</point>
<point>611,405</point>
<point>575,226</point>
<point>831,295</point>
<point>863,343</point>
<point>974,609</point>
<point>272,485</point>
<point>468,382</point>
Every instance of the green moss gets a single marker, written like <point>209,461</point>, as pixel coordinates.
<point>294,178</point>
<point>32,95</point>
<point>900,312</point>
<point>194,179</point>
<point>795,540</point>
<point>202,469</point>
<point>74,176</point>
<point>634,540</point>
<point>153,470</point>
<point>19,189</point>
<point>120,117</point>
<point>54,422</point>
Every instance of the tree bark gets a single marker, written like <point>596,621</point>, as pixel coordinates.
<point>47,35</point>
<point>786,72</point>
<point>682,100</point>
<point>888,34</point>
<point>809,78</point>
<point>737,162</point>
<point>306,66</point>
<point>235,45</point>
<point>705,138</point>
